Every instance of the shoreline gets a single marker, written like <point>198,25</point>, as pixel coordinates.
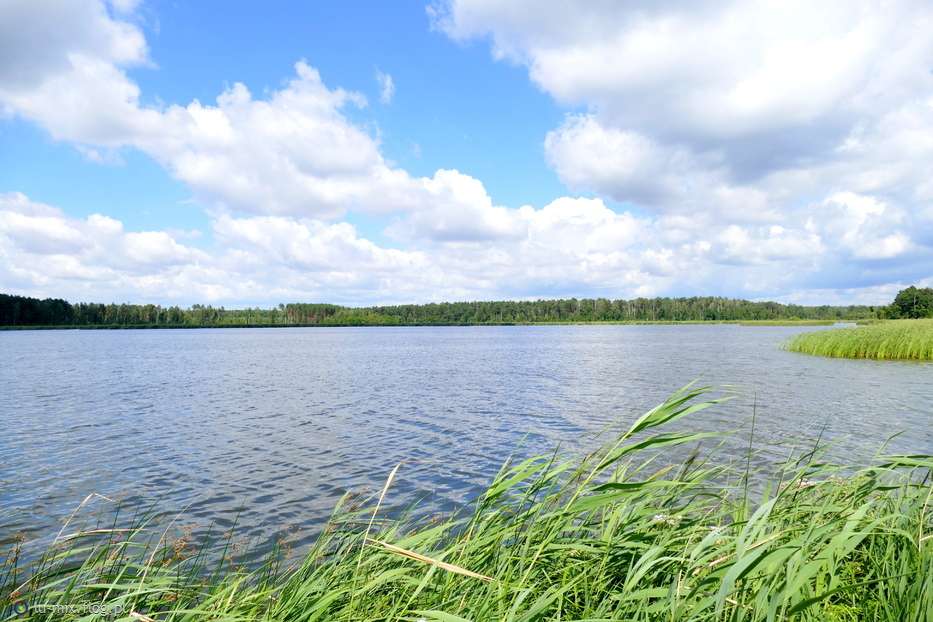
<point>749,323</point>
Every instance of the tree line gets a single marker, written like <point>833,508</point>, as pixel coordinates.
<point>605,310</point>
<point>25,311</point>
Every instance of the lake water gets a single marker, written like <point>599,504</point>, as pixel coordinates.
<point>271,426</point>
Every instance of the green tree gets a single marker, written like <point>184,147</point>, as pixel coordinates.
<point>913,302</point>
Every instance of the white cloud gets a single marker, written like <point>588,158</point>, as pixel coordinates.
<point>863,226</point>
<point>564,244</point>
<point>629,166</point>
<point>707,69</point>
<point>764,149</point>
<point>291,152</point>
<point>454,207</point>
<point>43,249</point>
<point>312,245</point>
<point>572,246</point>
<point>386,87</point>
<point>747,117</point>
<point>768,245</point>
<point>43,38</point>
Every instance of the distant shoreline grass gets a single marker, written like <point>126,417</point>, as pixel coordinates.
<point>901,340</point>
<point>795,322</point>
<point>612,536</point>
<point>396,325</point>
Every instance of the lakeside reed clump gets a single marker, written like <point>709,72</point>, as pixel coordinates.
<point>908,340</point>
<point>611,536</point>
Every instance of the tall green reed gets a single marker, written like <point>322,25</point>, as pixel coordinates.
<point>610,536</point>
<point>890,340</point>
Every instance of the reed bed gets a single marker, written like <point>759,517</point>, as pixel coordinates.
<point>611,536</point>
<point>907,340</point>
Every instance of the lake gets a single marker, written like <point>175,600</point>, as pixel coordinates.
<point>269,427</point>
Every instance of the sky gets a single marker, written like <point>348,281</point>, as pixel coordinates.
<point>375,153</point>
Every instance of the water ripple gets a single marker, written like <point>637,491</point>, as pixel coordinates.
<point>268,428</point>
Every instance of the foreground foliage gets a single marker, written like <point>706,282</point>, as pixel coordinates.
<point>910,340</point>
<point>609,537</point>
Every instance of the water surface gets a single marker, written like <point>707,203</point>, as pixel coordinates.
<point>270,426</point>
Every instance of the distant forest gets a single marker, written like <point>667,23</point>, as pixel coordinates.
<point>23,311</point>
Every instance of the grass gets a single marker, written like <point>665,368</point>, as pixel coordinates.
<point>612,536</point>
<point>791,322</point>
<point>907,340</point>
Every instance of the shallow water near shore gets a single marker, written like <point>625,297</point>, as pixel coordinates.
<point>268,428</point>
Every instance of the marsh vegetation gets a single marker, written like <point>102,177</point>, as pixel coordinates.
<point>616,535</point>
<point>902,340</point>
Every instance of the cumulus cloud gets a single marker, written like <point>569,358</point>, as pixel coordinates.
<point>566,245</point>
<point>733,92</point>
<point>43,249</point>
<point>708,70</point>
<point>630,166</point>
<point>571,246</point>
<point>292,152</point>
<point>772,126</point>
<point>863,226</point>
<point>758,151</point>
<point>764,85</point>
<point>44,38</point>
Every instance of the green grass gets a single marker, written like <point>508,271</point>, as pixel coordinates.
<point>791,322</point>
<point>908,340</point>
<point>612,536</point>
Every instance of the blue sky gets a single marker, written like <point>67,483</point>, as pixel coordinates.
<point>454,106</point>
<point>243,153</point>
